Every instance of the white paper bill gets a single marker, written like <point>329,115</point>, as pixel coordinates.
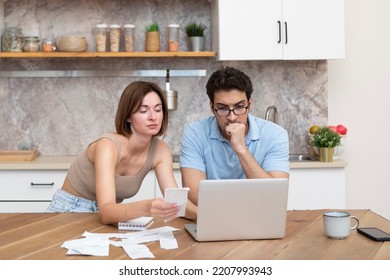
<point>178,196</point>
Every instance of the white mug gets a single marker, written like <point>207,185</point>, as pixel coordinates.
<point>337,224</point>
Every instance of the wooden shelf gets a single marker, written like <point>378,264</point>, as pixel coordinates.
<point>103,54</point>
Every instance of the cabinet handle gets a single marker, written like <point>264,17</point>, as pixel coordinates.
<point>42,184</point>
<point>285,28</point>
<point>280,32</point>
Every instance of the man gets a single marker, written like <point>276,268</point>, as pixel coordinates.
<point>232,144</point>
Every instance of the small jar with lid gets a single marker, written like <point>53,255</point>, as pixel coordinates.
<point>115,36</point>
<point>12,40</point>
<point>128,32</point>
<point>101,37</point>
<point>173,37</point>
<point>31,44</point>
<point>48,45</point>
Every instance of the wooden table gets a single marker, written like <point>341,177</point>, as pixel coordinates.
<point>39,236</point>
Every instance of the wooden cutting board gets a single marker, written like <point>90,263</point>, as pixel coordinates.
<point>23,155</point>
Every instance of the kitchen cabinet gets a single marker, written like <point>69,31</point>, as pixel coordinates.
<point>317,188</point>
<point>313,185</point>
<point>32,190</point>
<point>278,29</point>
<point>28,190</point>
<point>311,188</point>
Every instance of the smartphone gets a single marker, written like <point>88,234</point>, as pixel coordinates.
<point>374,234</point>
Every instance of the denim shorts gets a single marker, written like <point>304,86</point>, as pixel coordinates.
<point>63,202</point>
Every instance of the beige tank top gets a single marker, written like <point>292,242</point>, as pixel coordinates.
<point>81,174</point>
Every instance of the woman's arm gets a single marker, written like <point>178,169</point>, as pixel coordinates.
<point>163,165</point>
<point>165,178</point>
<point>105,156</point>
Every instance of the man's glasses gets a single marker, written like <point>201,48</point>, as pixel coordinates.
<point>223,112</point>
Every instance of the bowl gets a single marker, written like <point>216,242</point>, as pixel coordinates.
<point>72,44</point>
<point>338,150</point>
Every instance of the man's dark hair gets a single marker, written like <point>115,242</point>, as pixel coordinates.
<point>228,78</point>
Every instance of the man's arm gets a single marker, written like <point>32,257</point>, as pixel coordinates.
<point>250,166</point>
<point>191,178</point>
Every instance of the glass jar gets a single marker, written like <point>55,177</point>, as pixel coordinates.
<point>31,44</point>
<point>48,45</point>
<point>101,37</point>
<point>128,31</point>
<point>12,40</point>
<point>115,36</point>
<point>173,37</point>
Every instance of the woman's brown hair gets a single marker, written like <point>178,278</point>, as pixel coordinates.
<point>131,101</point>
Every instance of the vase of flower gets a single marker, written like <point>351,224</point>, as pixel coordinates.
<point>325,139</point>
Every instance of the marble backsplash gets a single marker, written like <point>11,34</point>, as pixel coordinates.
<point>62,115</point>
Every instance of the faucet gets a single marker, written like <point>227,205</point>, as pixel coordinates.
<point>275,116</point>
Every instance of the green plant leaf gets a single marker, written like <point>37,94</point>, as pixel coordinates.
<point>153,27</point>
<point>194,29</point>
<point>325,138</point>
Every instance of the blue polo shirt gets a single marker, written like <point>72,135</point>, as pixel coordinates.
<point>204,148</point>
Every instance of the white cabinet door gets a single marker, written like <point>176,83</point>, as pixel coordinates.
<point>278,29</point>
<point>247,29</point>
<point>316,188</point>
<point>28,190</point>
<point>315,29</point>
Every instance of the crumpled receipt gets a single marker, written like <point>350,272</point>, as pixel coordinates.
<point>94,246</point>
<point>178,196</point>
<point>97,244</point>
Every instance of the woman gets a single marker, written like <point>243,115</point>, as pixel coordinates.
<point>112,167</point>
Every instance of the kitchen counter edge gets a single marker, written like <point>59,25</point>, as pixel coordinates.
<point>64,162</point>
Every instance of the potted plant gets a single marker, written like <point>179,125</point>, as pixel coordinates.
<point>152,40</point>
<point>195,33</point>
<point>325,139</point>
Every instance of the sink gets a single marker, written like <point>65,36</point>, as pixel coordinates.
<point>299,157</point>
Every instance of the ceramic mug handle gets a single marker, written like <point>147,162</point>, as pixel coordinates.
<point>357,222</point>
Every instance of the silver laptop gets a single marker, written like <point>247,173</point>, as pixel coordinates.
<point>238,209</point>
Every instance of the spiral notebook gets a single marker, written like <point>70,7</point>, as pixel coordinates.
<point>136,224</point>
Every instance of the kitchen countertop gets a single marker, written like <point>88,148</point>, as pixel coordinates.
<point>63,162</point>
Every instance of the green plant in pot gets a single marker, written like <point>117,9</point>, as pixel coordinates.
<point>195,33</point>
<point>152,40</point>
<point>325,139</point>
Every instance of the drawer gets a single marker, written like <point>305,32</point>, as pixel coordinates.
<point>30,185</point>
<point>23,206</point>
